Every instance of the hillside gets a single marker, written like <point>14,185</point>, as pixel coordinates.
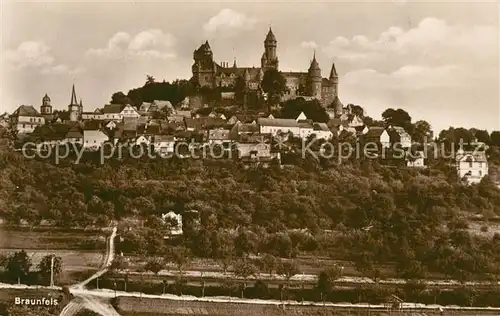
<point>416,218</point>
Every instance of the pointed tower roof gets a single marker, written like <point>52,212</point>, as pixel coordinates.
<point>81,103</point>
<point>73,96</point>
<point>234,63</point>
<point>270,36</point>
<point>333,72</point>
<point>207,46</point>
<point>314,62</point>
<point>46,97</point>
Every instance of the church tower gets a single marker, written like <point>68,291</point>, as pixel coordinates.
<point>46,108</point>
<point>204,68</point>
<point>73,107</point>
<point>269,58</point>
<point>314,79</point>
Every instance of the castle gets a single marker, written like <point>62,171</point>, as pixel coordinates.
<point>310,84</point>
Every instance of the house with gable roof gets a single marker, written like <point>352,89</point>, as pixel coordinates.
<point>471,166</point>
<point>25,119</point>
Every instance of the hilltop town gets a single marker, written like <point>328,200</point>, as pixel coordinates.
<point>252,174</point>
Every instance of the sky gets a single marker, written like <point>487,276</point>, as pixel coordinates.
<point>439,61</point>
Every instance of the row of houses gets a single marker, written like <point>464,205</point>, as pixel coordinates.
<point>129,125</point>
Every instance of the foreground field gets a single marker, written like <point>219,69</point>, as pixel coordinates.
<point>51,238</point>
<point>128,306</point>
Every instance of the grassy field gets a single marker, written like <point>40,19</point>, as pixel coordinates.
<point>128,306</point>
<point>51,238</point>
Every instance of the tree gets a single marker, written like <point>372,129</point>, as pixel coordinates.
<point>44,266</point>
<point>495,138</point>
<point>223,249</point>
<point>120,263</point>
<point>274,84</point>
<point>397,117</point>
<point>245,243</point>
<point>245,269</point>
<point>154,265</point>
<point>180,256</point>
<point>287,269</point>
<point>327,278</point>
<point>268,263</point>
<point>18,265</point>
<point>120,98</point>
<point>313,110</point>
<point>150,79</point>
<point>482,136</point>
<point>422,131</point>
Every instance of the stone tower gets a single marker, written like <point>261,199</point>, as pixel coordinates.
<point>269,58</point>
<point>204,68</point>
<point>46,107</point>
<point>314,79</point>
<point>334,81</point>
<point>73,107</point>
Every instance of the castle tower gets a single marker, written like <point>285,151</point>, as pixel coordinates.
<point>204,67</point>
<point>334,81</point>
<point>314,79</point>
<point>74,107</point>
<point>269,58</point>
<point>46,107</point>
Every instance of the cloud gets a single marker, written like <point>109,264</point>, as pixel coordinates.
<point>310,44</point>
<point>433,40</point>
<point>151,43</point>
<point>36,55</point>
<point>228,20</point>
<point>409,77</point>
<point>62,70</point>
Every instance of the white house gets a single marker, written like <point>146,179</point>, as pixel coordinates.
<point>218,136</point>
<point>129,111</point>
<point>118,112</point>
<point>176,219</point>
<point>277,126</point>
<point>305,129</point>
<point>322,131</point>
<point>96,115</point>
<point>472,166</point>
<point>164,144</point>
<point>416,160</point>
<point>356,121</point>
<point>93,136</point>
<point>25,119</point>
<point>141,140</point>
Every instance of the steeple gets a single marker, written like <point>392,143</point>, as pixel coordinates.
<point>234,63</point>
<point>73,97</point>
<point>314,63</point>
<point>333,72</point>
<point>270,38</point>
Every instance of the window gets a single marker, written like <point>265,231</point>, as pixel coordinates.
<point>480,173</point>
<point>470,164</point>
<point>24,125</point>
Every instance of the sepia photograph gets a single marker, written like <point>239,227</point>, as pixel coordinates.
<point>220,158</point>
